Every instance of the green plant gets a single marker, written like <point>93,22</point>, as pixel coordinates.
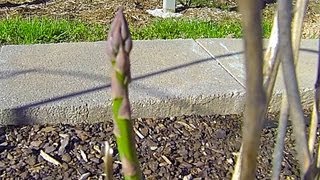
<point>44,30</point>
<point>118,48</point>
<point>182,28</point>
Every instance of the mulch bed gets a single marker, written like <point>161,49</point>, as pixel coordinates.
<point>185,147</point>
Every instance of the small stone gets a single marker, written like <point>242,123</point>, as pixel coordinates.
<point>147,172</point>
<point>64,142</point>
<point>187,177</point>
<point>35,144</point>
<point>83,155</point>
<point>66,158</point>
<point>49,178</point>
<point>95,160</point>
<point>66,175</point>
<point>31,160</point>
<point>24,175</point>
<point>220,134</point>
<point>187,165</point>
<point>84,176</point>
<point>36,128</point>
<point>2,164</point>
<point>40,159</point>
<point>144,131</point>
<point>48,129</point>
<point>50,149</point>
<point>9,156</point>
<point>153,166</point>
<point>82,135</point>
<point>4,144</point>
<point>230,160</point>
<point>97,149</point>
<point>81,170</point>
<point>198,164</point>
<point>153,148</point>
<point>65,166</point>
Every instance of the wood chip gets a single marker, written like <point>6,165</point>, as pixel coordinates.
<point>64,143</point>
<point>48,129</point>
<point>48,158</point>
<point>64,135</point>
<point>166,159</point>
<point>153,148</point>
<point>82,135</point>
<point>97,148</point>
<point>230,160</point>
<point>186,125</point>
<point>138,133</point>
<point>84,176</point>
<point>187,177</point>
<point>83,155</point>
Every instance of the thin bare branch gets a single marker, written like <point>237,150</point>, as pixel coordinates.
<point>317,86</point>
<point>278,149</point>
<point>297,25</point>
<point>237,170</point>
<point>296,36</point>
<point>291,84</point>
<point>255,95</point>
<point>271,59</point>
<point>315,114</point>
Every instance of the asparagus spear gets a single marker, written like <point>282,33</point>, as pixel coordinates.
<point>119,45</point>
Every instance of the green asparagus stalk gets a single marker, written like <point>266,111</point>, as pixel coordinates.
<point>119,45</point>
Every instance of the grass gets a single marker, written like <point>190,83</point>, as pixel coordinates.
<point>173,29</point>
<point>44,30</point>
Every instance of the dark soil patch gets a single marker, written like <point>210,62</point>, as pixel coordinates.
<point>186,147</point>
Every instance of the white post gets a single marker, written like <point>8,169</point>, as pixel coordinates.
<point>169,6</point>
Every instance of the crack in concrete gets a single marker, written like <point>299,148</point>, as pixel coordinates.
<point>220,64</point>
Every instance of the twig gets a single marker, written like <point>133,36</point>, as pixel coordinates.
<point>291,85</point>
<point>278,149</point>
<point>255,95</point>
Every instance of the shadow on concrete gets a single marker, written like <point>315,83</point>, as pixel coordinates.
<point>10,73</point>
<point>21,117</point>
<point>20,110</point>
